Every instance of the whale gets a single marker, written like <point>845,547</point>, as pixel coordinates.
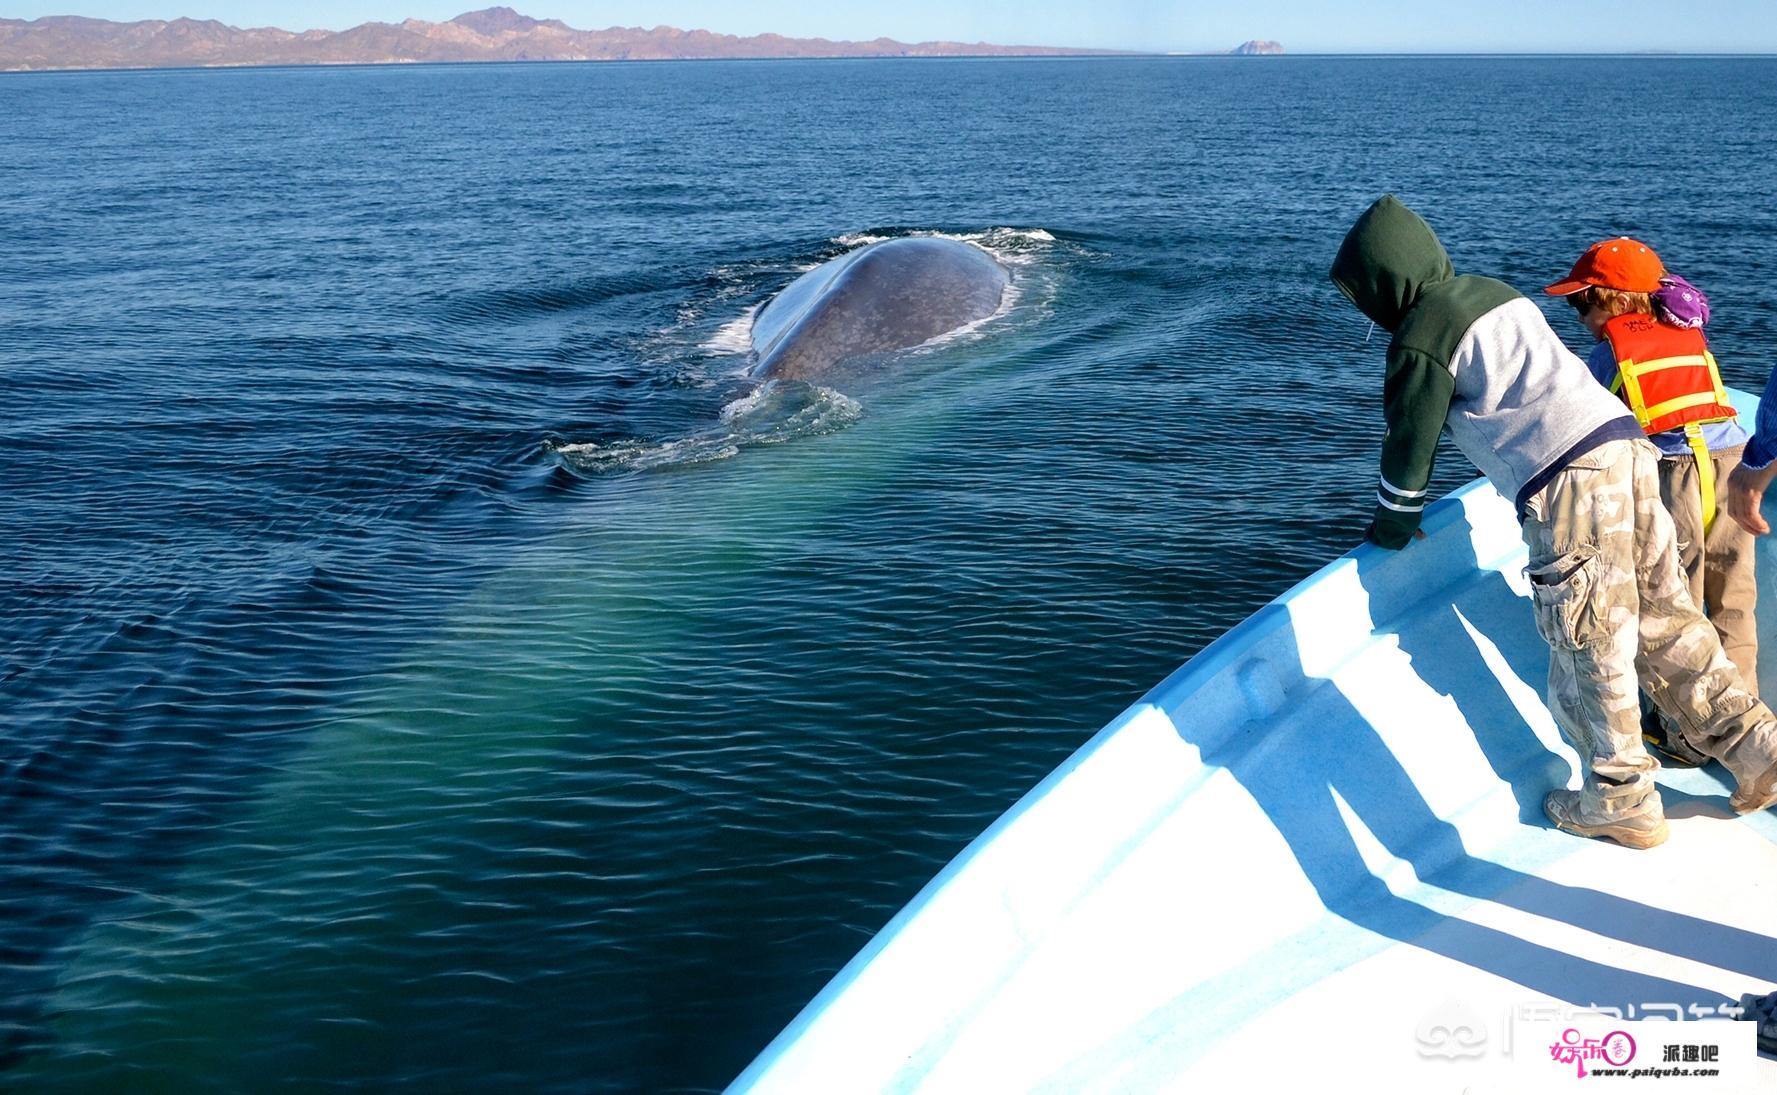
<point>824,338</point>
<point>891,295</point>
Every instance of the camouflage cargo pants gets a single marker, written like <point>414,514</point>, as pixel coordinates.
<point>1717,564</point>
<point>1618,616</point>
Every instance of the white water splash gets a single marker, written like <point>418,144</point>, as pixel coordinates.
<point>1011,246</point>
<point>776,412</point>
<point>637,455</point>
<point>784,410</point>
<point>735,336</point>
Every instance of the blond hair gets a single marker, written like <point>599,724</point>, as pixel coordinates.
<point>1615,302</point>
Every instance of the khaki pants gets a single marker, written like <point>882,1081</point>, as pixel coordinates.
<point>1718,567</point>
<point>1618,616</point>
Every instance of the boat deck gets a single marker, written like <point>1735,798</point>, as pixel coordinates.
<point>1316,849</point>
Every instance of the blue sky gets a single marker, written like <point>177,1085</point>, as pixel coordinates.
<point>1303,26</point>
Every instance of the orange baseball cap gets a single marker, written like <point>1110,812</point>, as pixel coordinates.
<point>1622,263</point>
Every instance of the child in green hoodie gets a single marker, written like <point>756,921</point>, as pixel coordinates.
<point>1472,357</point>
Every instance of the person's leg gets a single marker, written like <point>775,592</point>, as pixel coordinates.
<point>1581,533</point>
<point>1683,666</point>
<point>1730,592</point>
<point>1681,492</point>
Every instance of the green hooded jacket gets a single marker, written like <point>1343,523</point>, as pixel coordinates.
<point>1393,268</point>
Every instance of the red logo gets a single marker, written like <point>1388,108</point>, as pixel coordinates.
<point>1615,1049</point>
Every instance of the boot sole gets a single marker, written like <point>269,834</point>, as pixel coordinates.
<point>1631,839</point>
<point>1765,803</point>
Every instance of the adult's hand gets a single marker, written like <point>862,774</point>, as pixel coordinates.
<point>1744,492</point>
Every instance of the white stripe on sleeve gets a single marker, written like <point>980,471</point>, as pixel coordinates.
<point>1392,489</point>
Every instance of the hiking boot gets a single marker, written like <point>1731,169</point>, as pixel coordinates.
<point>1759,793</point>
<point>1640,830</point>
<point>1665,742</point>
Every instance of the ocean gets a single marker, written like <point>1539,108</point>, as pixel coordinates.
<point>432,663</point>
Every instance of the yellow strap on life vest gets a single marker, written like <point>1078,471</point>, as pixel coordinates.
<point>1642,368</point>
<point>1721,392</point>
<point>1630,389</point>
<point>1693,432</point>
<point>1683,402</point>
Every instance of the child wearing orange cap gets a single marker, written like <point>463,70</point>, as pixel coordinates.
<point>1651,352</point>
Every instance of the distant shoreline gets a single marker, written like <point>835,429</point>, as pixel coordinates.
<point>499,34</point>
<point>1117,56</point>
<point>298,66</point>
<point>303,65</point>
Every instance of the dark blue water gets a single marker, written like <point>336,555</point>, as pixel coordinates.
<point>426,667</point>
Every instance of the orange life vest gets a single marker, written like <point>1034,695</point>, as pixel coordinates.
<point>1668,378</point>
<point>1666,374</point>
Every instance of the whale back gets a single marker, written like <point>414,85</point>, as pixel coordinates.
<point>887,296</point>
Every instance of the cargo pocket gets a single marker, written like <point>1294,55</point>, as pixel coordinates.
<point>1565,592</point>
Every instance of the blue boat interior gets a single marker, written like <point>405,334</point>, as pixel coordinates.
<point>1328,824</point>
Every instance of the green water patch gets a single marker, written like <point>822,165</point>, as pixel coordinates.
<point>443,877</point>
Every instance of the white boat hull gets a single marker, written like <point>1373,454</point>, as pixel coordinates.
<point>1316,850</point>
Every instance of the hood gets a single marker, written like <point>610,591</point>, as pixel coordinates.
<point>1388,259</point>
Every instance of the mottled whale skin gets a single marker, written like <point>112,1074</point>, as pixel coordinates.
<point>887,296</point>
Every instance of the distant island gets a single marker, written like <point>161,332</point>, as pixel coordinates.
<point>493,34</point>
<point>1258,48</point>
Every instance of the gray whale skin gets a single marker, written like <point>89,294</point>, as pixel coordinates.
<point>886,296</point>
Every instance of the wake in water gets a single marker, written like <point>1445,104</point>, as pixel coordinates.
<point>778,411</point>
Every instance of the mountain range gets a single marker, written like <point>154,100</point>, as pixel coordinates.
<point>493,34</point>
